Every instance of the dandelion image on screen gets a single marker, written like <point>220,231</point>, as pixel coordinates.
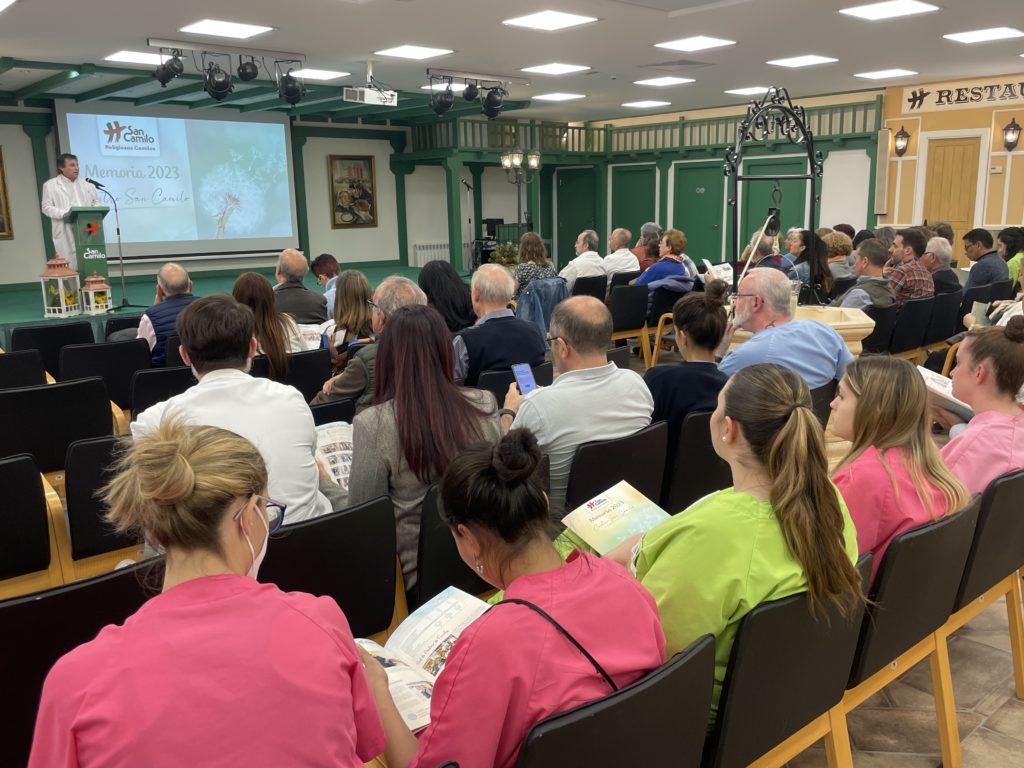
<point>234,202</point>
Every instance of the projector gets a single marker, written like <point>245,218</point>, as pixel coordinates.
<point>369,95</point>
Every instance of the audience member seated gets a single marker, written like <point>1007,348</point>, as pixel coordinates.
<point>808,247</point>
<point>588,262</point>
<point>1010,245</point>
<point>325,269</point>
<point>448,294</point>
<point>498,339</point>
<point>514,666</point>
<point>986,264</point>
<point>591,399</point>
<point>533,262</point>
<point>846,229</point>
<point>277,336</point>
<point>988,376</point>
<point>173,294</point>
<point>419,420</point>
<point>621,258</point>
<point>765,255</point>
<point>672,261</point>
<point>837,248</point>
<point>693,385</point>
<point>217,341</point>
<point>356,381</point>
<point>648,245</point>
<point>781,529</point>
<point>872,288</point>
<point>351,315</point>
<point>937,257</point>
<point>814,350</point>
<point>892,478</point>
<point>940,229</point>
<point>860,237</point>
<point>218,668</point>
<point>909,278</point>
<point>1000,313</point>
<point>291,296</point>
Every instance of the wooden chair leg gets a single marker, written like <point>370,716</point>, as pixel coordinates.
<point>645,346</point>
<point>837,741</point>
<point>945,705</point>
<point>1014,606</point>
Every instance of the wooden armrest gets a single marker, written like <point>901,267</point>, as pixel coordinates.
<point>119,419</point>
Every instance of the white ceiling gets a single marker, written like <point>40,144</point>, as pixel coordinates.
<point>342,34</point>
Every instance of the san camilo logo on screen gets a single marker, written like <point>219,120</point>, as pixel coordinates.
<point>128,136</point>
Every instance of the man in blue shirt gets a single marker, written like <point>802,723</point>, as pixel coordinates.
<point>813,350</point>
<point>989,266</point>
<point>326,270</point>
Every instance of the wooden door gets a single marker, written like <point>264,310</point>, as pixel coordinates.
<point>699,201</point>
<point>951,186</point>
<point>575,210</point>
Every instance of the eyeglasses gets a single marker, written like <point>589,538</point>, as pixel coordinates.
<point>275,512</point>
<point>373,307</point>
<point>742,295</point>
<point>549,338</point>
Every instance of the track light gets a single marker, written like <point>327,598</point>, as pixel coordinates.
<point>169,69</point>
<point>493,102</point>
<point>442,101</point>
<point>247,70</point>
<point>217,82</point>
<point>471,92</point>
<point>290,88</point>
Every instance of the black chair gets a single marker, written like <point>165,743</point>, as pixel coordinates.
<point>86,470</point>
<point>944,320</point>
<point>662,302</point>
<point>155,385</point>
<point>885,320</point>
<point>659,720</point>
<point>48,339</point>
<point>496,381</point>
<point>115,362</point>
<point>49,625</point>
<point>1001,291</point>
<point>173,358</point>
<point>911,325</point>
<point>841,285</point>
<point>622,278</point>
<point>307,371</point>
<point>628,307</point>
<point>821,401</point>
<point>788,667</point>
<point>438,563</point>
<point>25,545</point>
<point>979,293</point>
<point>21,369</point>
<point>43,421</point>
<point>692,469</point>
<point>619,356</point>
<point>336,410</point>
<point>600,464</point>
<point>596,286</point>
<point>120,323</point>
<point>348,556</point>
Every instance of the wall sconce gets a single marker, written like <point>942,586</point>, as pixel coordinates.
<point>1011,135</point>
<point>902,141</point>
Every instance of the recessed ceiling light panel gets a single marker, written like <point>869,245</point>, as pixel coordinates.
<point>889,10</point>
<point>5,4</point>
<point>753,90</point>
<point>646,104</point>
<point>417,52</point>
<point>319,74</point>
<point>885,74</point>
<point>795,62</point>
<point>985,35</point>
<point>549,21</point>
<point>455,87</point>
<point>232,29</point>
<point>661,82</point>
<point>556,69</point>
<point>135,57</point>
<point>697,43</point>
<point>559,96</point>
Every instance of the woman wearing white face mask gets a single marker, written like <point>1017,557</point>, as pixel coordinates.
<point>218,669</point>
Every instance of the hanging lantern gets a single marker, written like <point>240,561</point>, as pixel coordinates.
<point>95,295</point>
<point>60,289</point>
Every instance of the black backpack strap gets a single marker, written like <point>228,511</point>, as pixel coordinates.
<point>565,633</point>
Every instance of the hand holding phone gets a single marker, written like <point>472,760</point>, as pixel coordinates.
<point>524,378</point>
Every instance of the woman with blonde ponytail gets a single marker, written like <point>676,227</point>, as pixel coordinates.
<point>781,529</point>
<point>218,669</point>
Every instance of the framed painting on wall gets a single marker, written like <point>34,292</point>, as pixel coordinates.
<point>6,230</point>
<point>353,191</point>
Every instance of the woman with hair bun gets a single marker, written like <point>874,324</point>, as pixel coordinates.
<point>692,385</point>
<point>989,376</point>
<point>218,669</point>
<point>513,667</point>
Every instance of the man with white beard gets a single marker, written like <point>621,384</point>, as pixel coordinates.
<point>813,350</point>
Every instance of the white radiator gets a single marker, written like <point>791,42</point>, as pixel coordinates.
<point>424,252</point>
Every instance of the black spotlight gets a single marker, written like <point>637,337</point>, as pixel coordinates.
<point>247,70</point>
<point>442,101</point>
<point>471,92</point>
<point>492,103</point>
<point>290,88</point>
<point>169,69</point>
<point>218,82</point>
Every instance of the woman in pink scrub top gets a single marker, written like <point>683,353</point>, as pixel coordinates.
<point>218,669</point>
<point>512,667</point>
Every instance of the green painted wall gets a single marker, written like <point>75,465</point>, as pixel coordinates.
<point>634,193</point>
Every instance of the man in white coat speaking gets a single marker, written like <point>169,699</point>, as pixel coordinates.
<point>60,194</point>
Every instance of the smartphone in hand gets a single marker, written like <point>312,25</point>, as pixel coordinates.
<point>524,378</point>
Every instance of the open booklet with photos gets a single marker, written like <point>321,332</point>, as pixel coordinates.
<point>416,653</point>
<point>612,517</point>
<point>334,450</point>
<point>940,390</point>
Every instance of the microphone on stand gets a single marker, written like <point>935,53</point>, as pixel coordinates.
<point>95,183</point>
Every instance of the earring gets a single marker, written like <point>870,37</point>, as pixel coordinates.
<point>479,566</point>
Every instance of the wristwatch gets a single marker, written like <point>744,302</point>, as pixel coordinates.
<point>507,412</point>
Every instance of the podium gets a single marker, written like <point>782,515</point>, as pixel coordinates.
<point>90,244</point>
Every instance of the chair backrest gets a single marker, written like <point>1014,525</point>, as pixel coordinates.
<point>693,469</point>
<point>115,362</point>
<point>622,278</point>
<point>348,556</point>
<point>841,285</point>
<point>49,625</point>
<point>885,320</point>
<point>600,464</point>
<point>998,546</point>
<point>911,324</point>
<point>944,318</point>
<point>662,302</point>
<point>25,544</point>
<point>49,338</point>
<point>43,421</point>
<point>87,469</point>
<point>659,720</point>
<point>497,381</point>
<point>628,306</point>
<point>21,369</point>
<point>155,385</point>
<point>911,596</point>
<point>120,323</point>
<point>174,358</point>
<point>982,293</point>
<point>438,564</point>
<point>619,356</point>
<point>821,401</point>
<point>336,410</point>
<point>1001,291</point>
<point>787,667</point>
<point>307,371</point>
<point>595,286</point>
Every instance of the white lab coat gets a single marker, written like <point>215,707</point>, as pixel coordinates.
<point>60,195</point>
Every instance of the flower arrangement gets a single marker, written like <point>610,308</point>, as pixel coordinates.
<point>506,254</point>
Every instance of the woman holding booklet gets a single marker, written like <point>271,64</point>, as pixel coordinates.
<point>549,646</point>
<point>781,529</point>
<point>218,669</point>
